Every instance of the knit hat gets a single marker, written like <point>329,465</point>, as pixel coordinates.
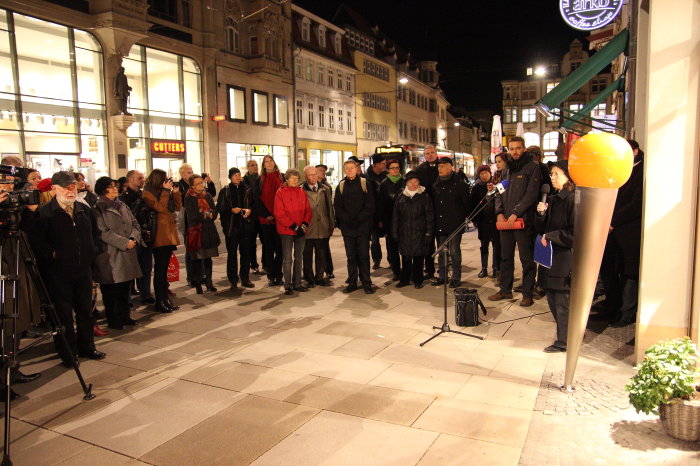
<point>232,171</point>
<point>102,184</point>
<point>562,164</point>
<point>444,160</point>
<point>44,185</point>
<point>483,168</point>
<point>412,174</point>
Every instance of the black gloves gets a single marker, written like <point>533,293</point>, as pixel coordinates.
<point>299,229</point>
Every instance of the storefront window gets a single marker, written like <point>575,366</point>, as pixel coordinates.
<point>237,155</point>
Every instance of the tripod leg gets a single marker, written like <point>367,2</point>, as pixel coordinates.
<point>434,336</point>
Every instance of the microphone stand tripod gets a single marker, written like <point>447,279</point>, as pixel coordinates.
<point>444,249</point>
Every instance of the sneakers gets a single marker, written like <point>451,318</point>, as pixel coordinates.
<point>483,273</point>
<point>526,301</point>
<point>500,296</point>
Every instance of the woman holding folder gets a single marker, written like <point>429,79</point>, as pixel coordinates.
<point>555,224</point>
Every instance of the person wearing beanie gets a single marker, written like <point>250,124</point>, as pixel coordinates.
<point>118,265</point>
<point>555,223</point>
<point>428,174</point>
<point>389,191</point>
<point>412,228</point>
<point>485,222</point>
<point>376,174</point>
<point>235,207</point>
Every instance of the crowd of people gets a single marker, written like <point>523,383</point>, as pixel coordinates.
<point>121,234</point>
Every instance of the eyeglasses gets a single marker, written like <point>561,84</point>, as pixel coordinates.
<point>394,167</point>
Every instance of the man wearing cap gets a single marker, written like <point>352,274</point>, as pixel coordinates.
<point>451,201</point>
<point>321,170</point>
<point>64,240</point>
<point>428,174</point>
<point>376,174</point>
<point>235,206</point>
<point>518,201</point>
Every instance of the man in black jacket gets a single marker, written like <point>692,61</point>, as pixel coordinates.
<point>518,201</point>
<point>354,212</point>
<point>321,169</point>
<point>376,174</point>
<point>451,201</point>
<point>252,180</point>
<point>235,206</point>
<point>64,240</point>
<point>428,174</point>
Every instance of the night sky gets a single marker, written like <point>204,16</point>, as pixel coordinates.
<point>477,43</point>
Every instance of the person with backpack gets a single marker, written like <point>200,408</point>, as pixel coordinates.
<point>354,212</point>
<point>202,237</point>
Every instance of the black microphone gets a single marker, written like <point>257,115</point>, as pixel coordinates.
<point>544,190</point>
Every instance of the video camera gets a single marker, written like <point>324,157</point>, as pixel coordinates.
<point>10,174</point>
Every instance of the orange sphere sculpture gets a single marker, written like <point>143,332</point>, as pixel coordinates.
<point>601,160</point>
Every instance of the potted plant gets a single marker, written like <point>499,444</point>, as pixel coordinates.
<point>666,384</point>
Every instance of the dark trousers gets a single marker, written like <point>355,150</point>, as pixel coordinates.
<point>145,258</point>
<point>412,269</point>
<point>621,282</point>
<point>73,294</point>
<point>357,252</point>
<point>201,270</point>
<point>523,238</point>
<point>253,248</point>
<point>429,259</point>
<point>115,297</point>
<point>161,258</point>
<point>455,249</point>
<point>293,253</point>
<point>559,306</point>
<point>272,252</point>
<point>392,255</point>
<point>329,257</point>
<point>484,249</point>
<point>189,265</point>
<point>314,259</point>
<point>376,247</point>
<point>239,243</point>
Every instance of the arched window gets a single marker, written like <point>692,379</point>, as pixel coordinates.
<point>306,29</point>
<point>532,139</point>
<point>232,37</point>
<point>322,36</point>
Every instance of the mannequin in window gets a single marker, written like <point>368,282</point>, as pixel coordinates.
<point>122,91</point>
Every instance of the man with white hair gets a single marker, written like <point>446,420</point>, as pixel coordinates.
<point>320,229</point>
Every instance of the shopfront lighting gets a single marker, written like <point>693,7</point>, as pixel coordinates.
<point>456,123</point>
<point>218,117</point>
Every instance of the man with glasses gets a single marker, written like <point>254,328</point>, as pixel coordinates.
<point>518,202</point>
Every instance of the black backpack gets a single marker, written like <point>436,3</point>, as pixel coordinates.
<point>467,305</point>
<point>146,218</point>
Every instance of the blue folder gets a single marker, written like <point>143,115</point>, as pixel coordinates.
<point>543,254</point>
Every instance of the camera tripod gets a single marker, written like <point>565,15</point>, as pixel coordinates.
<point>19,251</point>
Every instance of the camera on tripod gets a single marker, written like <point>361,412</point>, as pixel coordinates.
<point>18,176</point>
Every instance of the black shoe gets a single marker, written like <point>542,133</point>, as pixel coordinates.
<point>13,395</point>
<point>418,286</point>
<point>94,354</point>
<point>395,277</point>
<point>18,377</point>
<point>455,283</point>
<point>554,349</point>
<point>483,273</point>
<point>163,307</point>
<point>623,322</point>
<point>288,291</point>
<point>148,300</point>
<point>428,276</point>
<point>350,288</point>
<point>496,273</point>
<point>129,321</point>
<point>330,275</point>
<point>323,282</point>
<point>210,287</point>
<point>438,282</point>
<point>171,305</point>
<point>402,284</point>
<point>272,282</point>
<point>301,288</point>
<point>518,289</point>
<point>310,284</point>
<point>247,284</point>
<point>115,326</point>
<point>198,287</point>
<point>376,266</point>
<point>369,289</point>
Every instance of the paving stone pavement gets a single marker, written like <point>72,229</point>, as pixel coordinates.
<point>256,377</point>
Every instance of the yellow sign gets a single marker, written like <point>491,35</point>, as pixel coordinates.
<point>261,150</point>
<point>389,150</point>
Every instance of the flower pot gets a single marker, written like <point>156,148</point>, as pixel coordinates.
<point>681,419</point>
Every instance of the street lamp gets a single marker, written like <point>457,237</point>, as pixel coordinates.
<point>540,71</point>
<point>403,80</point>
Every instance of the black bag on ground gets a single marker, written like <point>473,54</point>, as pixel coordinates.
<point>467,305</point>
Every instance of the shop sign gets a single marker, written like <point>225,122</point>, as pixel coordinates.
<point>261,150</point>
<point>167,147</point>
<point>589,14</point>
<point>389,150</point>
<point>85,162</point>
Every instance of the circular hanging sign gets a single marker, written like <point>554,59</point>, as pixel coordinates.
<point>589,14</point>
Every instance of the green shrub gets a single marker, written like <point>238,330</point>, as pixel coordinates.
<point>668,371</point>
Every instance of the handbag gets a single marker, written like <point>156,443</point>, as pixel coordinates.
<point>173,269</point>
<point>518,224</point>
<point>194,238</point>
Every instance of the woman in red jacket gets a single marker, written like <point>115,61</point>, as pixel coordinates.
<point>270,181</point>
<point>292,216</point>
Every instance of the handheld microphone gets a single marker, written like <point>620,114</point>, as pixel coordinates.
<point>544,190</point>
<point>498,188</point>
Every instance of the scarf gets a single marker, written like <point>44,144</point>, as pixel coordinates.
<point>394,178</point>
<point>115,204</point>
<point>408,193</point>
<point>202,202</point>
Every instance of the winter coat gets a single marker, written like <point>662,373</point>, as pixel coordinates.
<point>165,203</point>
<point>451,200</point>
<point>412,224</point>
<point>231,196</point>
<point>322,213</point>
<point>291,209</point>
<point>428,175</point>
<point>354,207</point>
<point>389,192</point>
<point>194,216</point>
<point>558,226</point>
<point>129,197</point>
<point>64,247</point>
<point>627,218</point>
<point>253,182</point>
<point>376,182</point>
<point>265,199</point>
<point>116,264</point>
<point>521,195</point>
<point>485,220</point>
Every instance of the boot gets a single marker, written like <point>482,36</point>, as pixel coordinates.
<point>162,306</point>
<point>210,285</point>
<point>198,287</point>
<point>483,273</point>
<point>98,332</point>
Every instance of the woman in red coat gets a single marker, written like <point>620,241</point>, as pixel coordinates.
<point>292,216</point>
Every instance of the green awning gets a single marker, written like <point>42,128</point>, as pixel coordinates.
<point>554,98</point>
<point>584,113</point>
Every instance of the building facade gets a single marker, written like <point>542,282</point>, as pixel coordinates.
<point>324,95</point>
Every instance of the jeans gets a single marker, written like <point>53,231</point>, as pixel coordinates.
<point>357,252</point>
<point>376,247</point>
<point>292,252</point>
<point>526,250</point>
<point>484,249</point>
<point>115,297</point>
<point>314,259</point>
<point>161,258</point>
<point>455,250</point>
<point>559,306</point>
<point>392,255</point>
<point>412,269</point>
<point>145,258</point>
<point>238,242</point>
<point>272,252</point>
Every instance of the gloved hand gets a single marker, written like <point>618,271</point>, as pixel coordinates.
<point>293,227</point>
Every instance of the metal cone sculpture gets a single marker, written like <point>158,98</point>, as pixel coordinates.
<point>599,164</point>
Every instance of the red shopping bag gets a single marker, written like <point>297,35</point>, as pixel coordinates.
<point>173,269</point>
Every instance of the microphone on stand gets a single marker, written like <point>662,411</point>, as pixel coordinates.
<point>544,190</point>
<point>498,188</point>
